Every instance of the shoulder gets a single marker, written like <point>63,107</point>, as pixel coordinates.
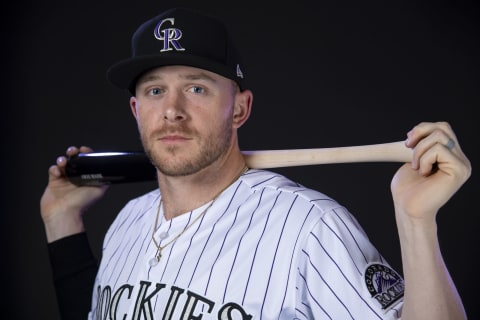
<point>271,184</point>
<point>144,199</point>
<point>138,207</point>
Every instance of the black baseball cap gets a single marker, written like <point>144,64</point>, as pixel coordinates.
<point>179,36</point>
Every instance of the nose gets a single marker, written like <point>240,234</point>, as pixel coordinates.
<point>174,110</point>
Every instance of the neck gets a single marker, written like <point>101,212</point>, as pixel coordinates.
<point>183,194</point>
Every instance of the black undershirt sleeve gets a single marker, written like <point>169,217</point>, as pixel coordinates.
<point>74,268</point>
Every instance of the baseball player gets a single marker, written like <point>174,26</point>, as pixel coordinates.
<point>218,240</point>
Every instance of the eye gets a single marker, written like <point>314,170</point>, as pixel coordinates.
<point>155,91</point>
<point>196,89</point>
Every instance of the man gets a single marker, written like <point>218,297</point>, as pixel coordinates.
<point>218,240</point>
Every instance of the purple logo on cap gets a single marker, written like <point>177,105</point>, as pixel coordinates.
<point>169,36</point>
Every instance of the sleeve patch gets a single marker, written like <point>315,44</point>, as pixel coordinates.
<point>384,284</point>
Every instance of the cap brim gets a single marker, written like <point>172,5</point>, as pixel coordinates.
<point>125,73</point>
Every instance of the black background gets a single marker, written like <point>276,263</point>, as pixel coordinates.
<point>336,74</point>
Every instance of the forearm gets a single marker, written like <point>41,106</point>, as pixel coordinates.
<point>429,290</point>
<point>73,269</point>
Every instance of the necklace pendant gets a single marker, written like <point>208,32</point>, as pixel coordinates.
<point>155,260</point>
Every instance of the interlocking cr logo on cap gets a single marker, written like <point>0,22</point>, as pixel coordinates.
<point>169,36</point>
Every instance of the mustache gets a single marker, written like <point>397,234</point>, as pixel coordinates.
<point>169,130</point>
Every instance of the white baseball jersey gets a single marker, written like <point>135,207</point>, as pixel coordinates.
<point>268,248</point>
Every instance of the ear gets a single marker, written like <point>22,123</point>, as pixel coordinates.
<point>133,106</point>
<point>242,107</point>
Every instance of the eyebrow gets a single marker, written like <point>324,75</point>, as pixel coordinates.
<point>199,76</point>
<point>144,79</point>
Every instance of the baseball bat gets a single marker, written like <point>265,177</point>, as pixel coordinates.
<point>98,168</point>
<point>384,152</point>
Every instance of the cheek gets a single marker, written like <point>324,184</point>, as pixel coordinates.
<point>145,119</point>
<point>225,121</point>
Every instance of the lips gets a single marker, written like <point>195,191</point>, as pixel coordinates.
<point>173,134</point>
<point>173,138</point>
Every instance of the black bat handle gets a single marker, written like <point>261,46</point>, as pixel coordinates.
<point>98,168</point>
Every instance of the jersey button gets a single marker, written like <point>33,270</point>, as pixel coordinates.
<point>163,235</point>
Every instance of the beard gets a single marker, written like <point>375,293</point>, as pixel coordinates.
<point>210,148</point>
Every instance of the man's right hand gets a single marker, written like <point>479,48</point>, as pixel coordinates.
<point>63,203</point>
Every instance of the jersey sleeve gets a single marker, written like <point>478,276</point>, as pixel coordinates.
<point>74,268</point>
<point>341,275</point>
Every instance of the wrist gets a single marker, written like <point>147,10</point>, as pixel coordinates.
<point>61,227</point>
